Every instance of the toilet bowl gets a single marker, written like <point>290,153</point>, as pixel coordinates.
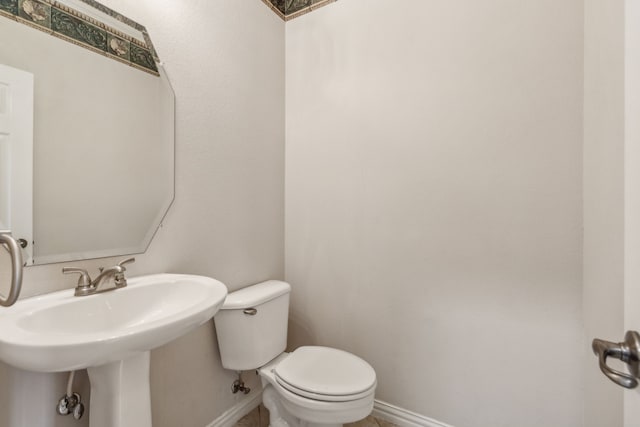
<point>319,385</point>
<point>312,386</point>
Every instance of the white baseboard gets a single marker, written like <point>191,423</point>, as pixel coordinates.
<point>383,410</point>
<point>232,415</point>
<point>402,417</point>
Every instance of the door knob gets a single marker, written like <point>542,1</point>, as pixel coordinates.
<point>628,351</point>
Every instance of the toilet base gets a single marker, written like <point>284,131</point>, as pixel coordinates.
<point>280,417</point>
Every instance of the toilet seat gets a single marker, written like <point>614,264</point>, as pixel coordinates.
<point>325,374</point>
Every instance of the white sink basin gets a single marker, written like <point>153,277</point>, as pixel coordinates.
<point>61,332</point>
<point>111,334</point>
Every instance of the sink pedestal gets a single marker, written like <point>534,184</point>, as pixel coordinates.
<point>120,393</point>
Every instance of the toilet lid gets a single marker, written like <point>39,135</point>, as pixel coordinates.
<point>324,373</point>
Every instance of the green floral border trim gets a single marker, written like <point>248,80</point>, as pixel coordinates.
<point>290,9</point>
<point>60,20</point>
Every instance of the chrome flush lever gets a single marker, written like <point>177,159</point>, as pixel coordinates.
<point>628,351</point>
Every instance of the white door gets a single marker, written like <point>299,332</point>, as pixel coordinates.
<point>16,155</point>
<point>632,192</point>
<point>627,290</point>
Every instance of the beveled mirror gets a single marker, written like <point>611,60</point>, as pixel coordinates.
<point>103,133</point>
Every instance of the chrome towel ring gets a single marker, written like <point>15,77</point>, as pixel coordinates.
<point>13,247</point>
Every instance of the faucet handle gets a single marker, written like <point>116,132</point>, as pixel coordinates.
<point>126,261</point>
<point>84,280</point>
<point>119,278</point>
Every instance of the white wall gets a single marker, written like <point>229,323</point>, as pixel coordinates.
<point>225,60</point>
<point>433,201</point>
<point>603,200</point>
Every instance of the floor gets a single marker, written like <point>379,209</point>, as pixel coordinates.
<point>259,417</point>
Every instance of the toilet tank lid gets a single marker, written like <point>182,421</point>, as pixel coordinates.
<point>255,295</point>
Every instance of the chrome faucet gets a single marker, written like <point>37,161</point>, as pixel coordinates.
<point>114,274</point>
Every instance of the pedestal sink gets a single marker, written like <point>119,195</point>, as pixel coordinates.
<point>110,334</point>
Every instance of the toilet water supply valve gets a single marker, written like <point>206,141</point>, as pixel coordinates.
<point>238,385</point>
<point>71,402</point>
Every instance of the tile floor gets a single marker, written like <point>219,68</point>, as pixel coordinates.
<point>259,417</point>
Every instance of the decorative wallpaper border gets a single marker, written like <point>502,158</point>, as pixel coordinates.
<point>60,20</point>
<point>290,9</point>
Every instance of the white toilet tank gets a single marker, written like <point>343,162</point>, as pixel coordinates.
<point>252,325</point>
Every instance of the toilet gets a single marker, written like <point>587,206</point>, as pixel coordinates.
<point>312,386</point>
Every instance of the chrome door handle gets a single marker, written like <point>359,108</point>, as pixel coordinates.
<point>628,351</point>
